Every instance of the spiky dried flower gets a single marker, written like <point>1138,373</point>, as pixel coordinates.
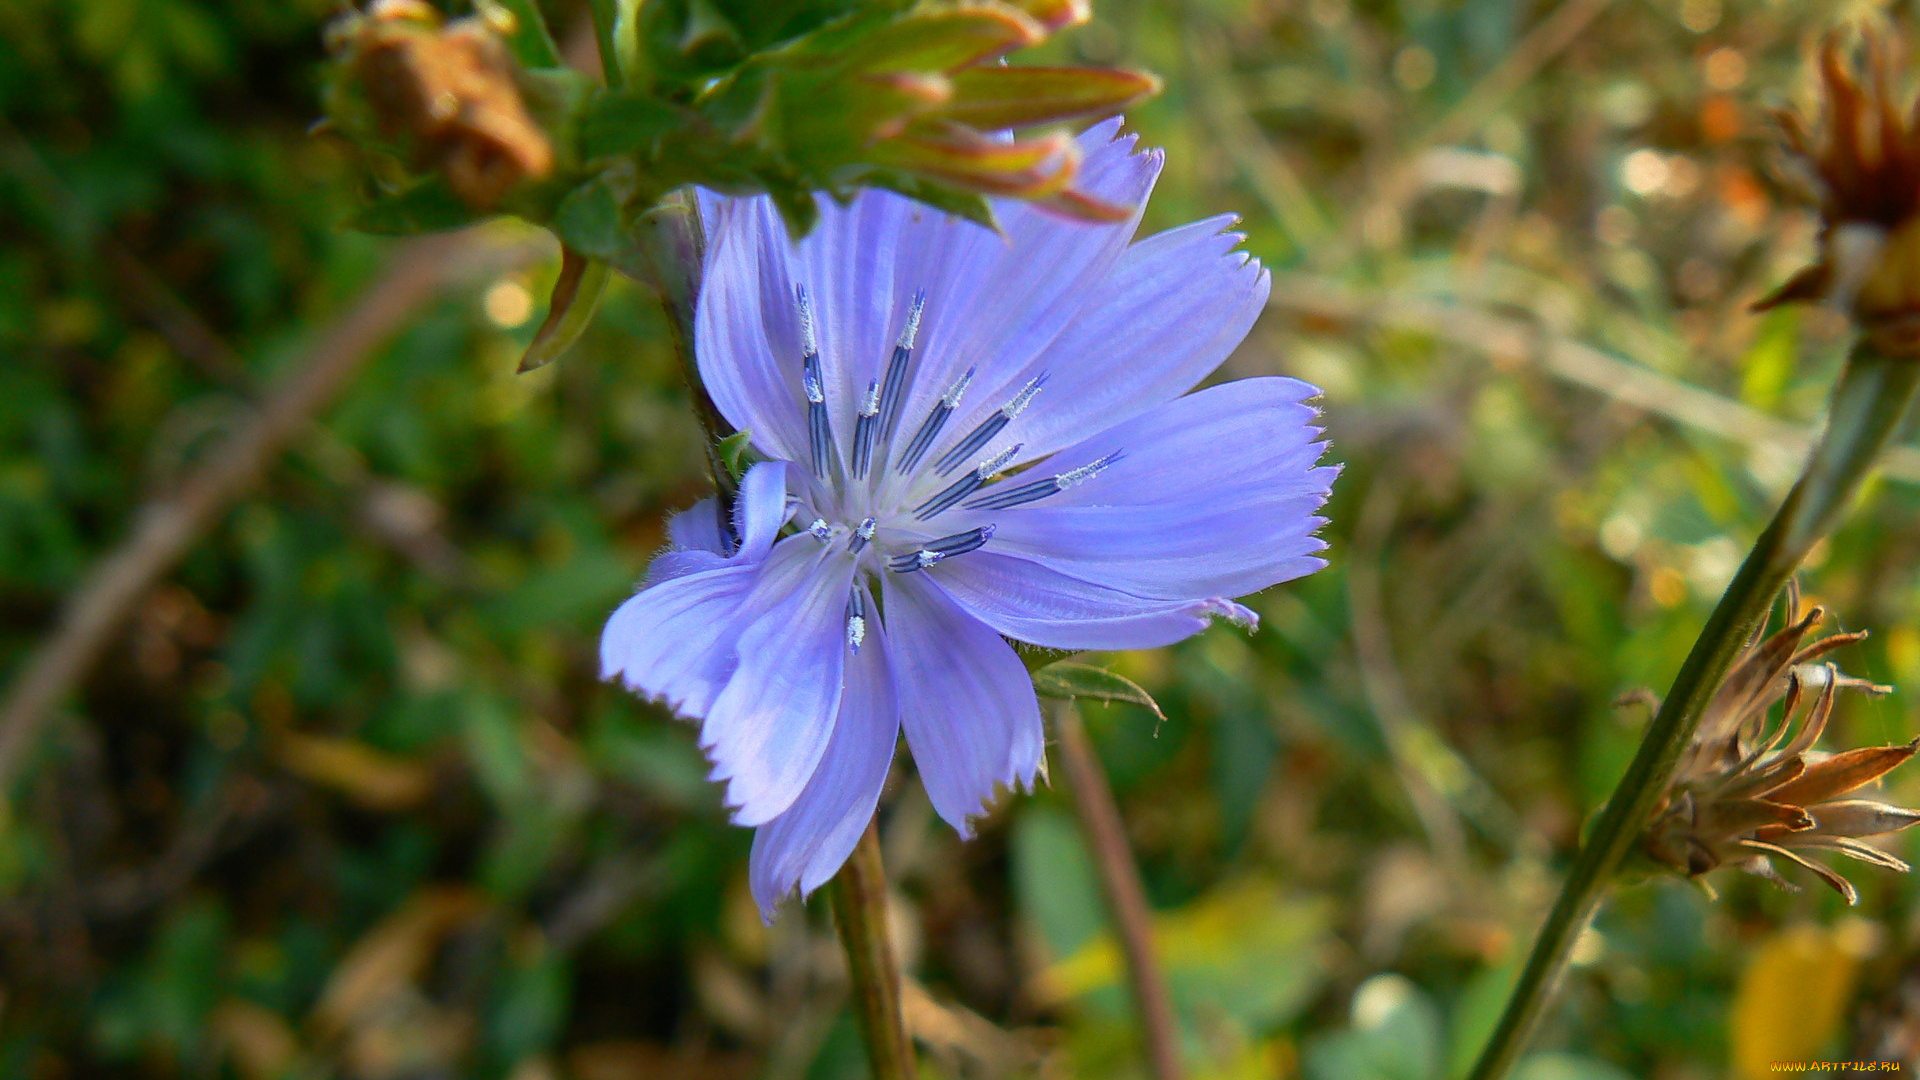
<point>1749,790</point>
<point>1863,159</point>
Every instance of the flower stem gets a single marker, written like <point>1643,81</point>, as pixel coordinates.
<point>1126,898</point>
<point>860,914</point>
<point>1871,399</point>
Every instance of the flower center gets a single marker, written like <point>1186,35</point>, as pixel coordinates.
<point>874,500</point>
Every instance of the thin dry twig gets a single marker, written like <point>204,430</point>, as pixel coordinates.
<point>1576,362</point>
<point>168,526</point>
<point>1126,897</point>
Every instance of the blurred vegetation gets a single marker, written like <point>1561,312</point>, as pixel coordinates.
<point>345,798</point>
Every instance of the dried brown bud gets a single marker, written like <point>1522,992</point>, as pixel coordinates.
<point>1864,158</point>
<point>447,93</point>
<point>1749,790</point>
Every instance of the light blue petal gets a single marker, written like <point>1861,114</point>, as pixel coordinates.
<point>674,641</point>
<point>1173,308</point>
<point>697,528</point>
<point>1215,495</point>
<point>767,730</point>
<point>1021,292</point>
<point>805,846</point>
<point>966,701</point>
<point>759,509</point>
<point>1032,603</point>
<point>993,300</point>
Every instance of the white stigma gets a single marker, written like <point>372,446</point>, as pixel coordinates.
<point>856,631</point>
<point>821,530</point>
<point>815,394</point>
<point>871,405</point>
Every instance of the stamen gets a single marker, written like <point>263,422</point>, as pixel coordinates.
<point>923,439</point>
<point>821,530</point>
<point>893,395</point>
<point>856,619</point>
<point>1076,477</point>
<point>967,484</point>
<point>808,346</point>
<point>991,426</point>
<point>951,399</point>
<point>819,425</point>
<point>863,535</point>
<point>1040,489</point>
<point>863,432</point>
<point>913,560</point>
<point>937,550</point>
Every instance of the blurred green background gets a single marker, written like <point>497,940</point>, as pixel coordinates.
<point>344,797</point>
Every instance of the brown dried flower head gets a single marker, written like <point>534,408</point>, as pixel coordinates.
<point>447,93</point>
<point>1750,790</point>
<point>1863,155</point>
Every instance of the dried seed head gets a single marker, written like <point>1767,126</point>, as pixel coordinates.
<point>448,92</point>
<point>1749,790</point>
<point>1863,155</point>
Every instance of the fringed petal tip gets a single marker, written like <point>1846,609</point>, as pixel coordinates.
<point>1238,614</point>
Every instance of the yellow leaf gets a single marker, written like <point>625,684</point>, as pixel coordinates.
<point>373,779</point>
<point>1793,995</point>
<point>1244,948</point>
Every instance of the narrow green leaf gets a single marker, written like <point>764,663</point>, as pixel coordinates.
<point>1067,679</point>
<point>576,295</point>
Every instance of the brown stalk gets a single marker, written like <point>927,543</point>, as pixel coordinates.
<point>1126,897</point>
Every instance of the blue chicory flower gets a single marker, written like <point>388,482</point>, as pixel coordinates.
<point>973,437</point>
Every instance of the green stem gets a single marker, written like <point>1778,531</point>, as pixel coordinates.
<point>860,914</point>
<point>1872,398</point>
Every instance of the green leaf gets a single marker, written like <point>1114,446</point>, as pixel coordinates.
<point>576,295</point>
<point>623,121</point>
<point>588,220</point>
<point>429,206</point>
<point>1567,1067</point>
<point>1067,679</point>
<point>1395,1036</point>
<point>1054,880</point>
<point>733,450</point>
<point>532,45</point>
